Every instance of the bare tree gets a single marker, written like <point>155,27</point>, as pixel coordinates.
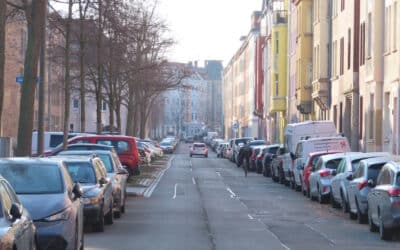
<point>3,13</point>
<point>35,16</point>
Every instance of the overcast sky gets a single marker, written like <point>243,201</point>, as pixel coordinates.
<point>207,29</point>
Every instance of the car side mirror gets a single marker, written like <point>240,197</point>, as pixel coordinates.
<point>122,171</point>
<point>333,172</point>
<point>102,181</point>
<point>371,183</point>
<point>77,190</point>
<point>16,211</point>
<point>349,177</point>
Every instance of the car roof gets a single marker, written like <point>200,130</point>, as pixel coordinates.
<point>68,158</point>
<point>84,152</point>
<point>116,137</point>
<point>376,160</point>
<point>89,145</point>
<point>31,160</point>
<point>324,153</point>
<point>367,155</point>
<point>338,155</point>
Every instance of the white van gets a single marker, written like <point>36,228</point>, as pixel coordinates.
<point>51,140</point>
<point>296,132</point>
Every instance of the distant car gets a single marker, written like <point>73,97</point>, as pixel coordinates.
<point>97,196</point>
<point>167,147</point>
<point>199,149</point>
<point>277,165</point>
<point>221,148</point>
<point>116,175</point>
<point>384,201</point>
<point>189,139</point>
<point>255,151</point>
<point>51,197</point>
<point>17,230</point>
<point>340,182</point>
<point>268,154</point>
<point>358,189</point>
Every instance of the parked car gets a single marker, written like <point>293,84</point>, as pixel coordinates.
<point>125,146</point>
<point>97,196</point>
<point>50,140</point>
<point>320,171</point>
<point>384,201</point>
<point>347,166</point>
<point>17,230</point>
<point>199,149</point>
<point>257,143</point>
<point>276,165</point>
<point>144,157</point>
<point>255,151</point>
<point>83,146</point>
<point>116,175</point>
<point>51,198</point>
<point>167,147</point>
<point>296,132</point>
<point>302,172</point>
<point>305,147</point>
<point>268,152</point>
<point>221,149</point>
<point>358,188</point>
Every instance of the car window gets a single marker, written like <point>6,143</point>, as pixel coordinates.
<point>122,146</point>
<point>104,142</point>
<point>81,172</point>
<point>355,164</point>
<point>6,200</point>
<point>384,177</point>
<point>11,192</point>
<point>299,150</point>
<point>315,160</point>
<point>317,164</point>
<point>398,179</point>
<point>359,171</point>
<point>107,162</point>
<point>341,166</point>
<point>42,178</point>
<point>333,164</point>
<point>273,150</point>
<point>373,171</point>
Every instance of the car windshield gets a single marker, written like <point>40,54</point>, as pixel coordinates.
<point>199,146</point>
<point>33,178</point>
<point>373,171</point>
<point>355,164</point>
<point>81,172</point>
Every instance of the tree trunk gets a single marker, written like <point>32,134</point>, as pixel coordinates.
<point>82,89</point>
<point>131,112</point>
<point>42,87</point>
<point>67,85</point>
<point>118,116</point>
<point>100,69</point>
<point>35,15</point>
<point>3,12</point>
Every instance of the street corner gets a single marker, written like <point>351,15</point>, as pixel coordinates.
<point>144,184</point>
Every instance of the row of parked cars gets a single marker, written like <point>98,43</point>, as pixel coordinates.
<point>316,161</point>
<point>46,201</point>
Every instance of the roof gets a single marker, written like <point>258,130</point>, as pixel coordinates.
<point>338,156</point>
<point>68,158</point>
<point>84,152</point>
<point>376,160</point>
<point>29,160</point>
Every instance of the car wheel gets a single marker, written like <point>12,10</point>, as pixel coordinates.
<point>344,205</point>
<point>264,171</point>
<point>308,192</point>
<point>303,190</point>
<point>384,233</point>
<point>99,226</point>
<point>206,156</point>
<point>352,215</point>
<point>321,199</point>
<point>123,204</point>
<point>334,204</point>
<point>372,226</point>
<point>360,216</point>
<point>109,218</point>
<point>82,241</point>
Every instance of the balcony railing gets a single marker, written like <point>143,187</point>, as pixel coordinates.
<point>280,17</point>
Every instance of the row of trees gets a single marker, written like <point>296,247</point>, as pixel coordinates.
<point>118,56</point>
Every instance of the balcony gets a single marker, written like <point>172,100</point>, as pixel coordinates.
<point>279,17</point>
<point>320,93</point>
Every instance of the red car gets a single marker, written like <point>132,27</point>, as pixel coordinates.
<point>125,146</point>
<point>311,161</point>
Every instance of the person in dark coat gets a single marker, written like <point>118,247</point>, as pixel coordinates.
<point>244,158</point>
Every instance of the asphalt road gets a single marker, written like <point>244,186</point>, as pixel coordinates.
<point>207,203</point>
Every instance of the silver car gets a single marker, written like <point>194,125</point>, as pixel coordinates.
<point>358,189</point>
<point>384,201</point>
<point>347,166</point>
<point>322,174</point>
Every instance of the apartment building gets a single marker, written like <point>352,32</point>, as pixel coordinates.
<point>389,31</point>
<point>293,113</point>
<point>345,69</point>
<point>322,33</point>
<point>239,78</point>
<point>304,58</point>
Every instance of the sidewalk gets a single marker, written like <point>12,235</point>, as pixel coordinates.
<point>144,184</point>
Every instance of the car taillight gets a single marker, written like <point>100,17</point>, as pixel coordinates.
<point>394,192</point>
<point>362,185</point>
<point>324,173</point>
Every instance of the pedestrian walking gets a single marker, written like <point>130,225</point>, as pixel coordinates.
<point>244,158</point>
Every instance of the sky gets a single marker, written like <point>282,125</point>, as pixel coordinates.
<point>207,29</point>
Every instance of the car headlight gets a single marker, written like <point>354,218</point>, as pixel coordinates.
<point>90,200</point>
<point>63,215</point>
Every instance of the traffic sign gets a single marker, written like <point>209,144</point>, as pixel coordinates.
<point>20,79</point>
<point>235,126</point>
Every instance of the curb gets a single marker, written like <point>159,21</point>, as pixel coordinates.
<point>147,191</point>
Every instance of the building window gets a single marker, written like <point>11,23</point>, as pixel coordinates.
<point>342,5</point>
<point>361,117</point>
<point>75,104</point>
<point>276,42</point>
<point>276,85</point>
<point>341,64</point>
<point>104,106</point>
<point>387,29</point>
<point>394,25</point>
<point>369,36</point>
<point>371,116</point>
<point>335,10</point>
<point>341,117</point>
<point>335,115</point>
<point>335,62</point>
<point>362,44</point>
<point>349,49</point>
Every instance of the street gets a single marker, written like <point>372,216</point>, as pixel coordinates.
<point>207,203</point>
